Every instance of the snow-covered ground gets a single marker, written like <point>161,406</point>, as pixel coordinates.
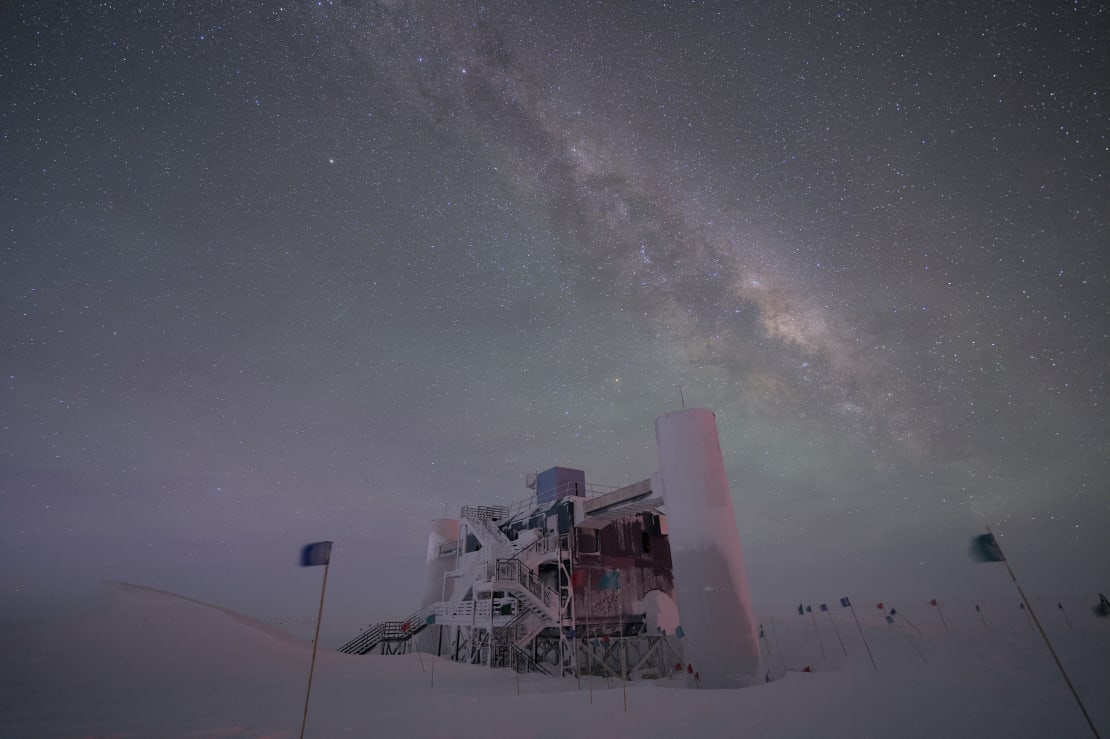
<point>129,661</point>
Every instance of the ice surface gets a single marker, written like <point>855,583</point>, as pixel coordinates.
<point>129,662</point>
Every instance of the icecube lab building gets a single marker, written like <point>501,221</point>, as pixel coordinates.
<point>638,581</point>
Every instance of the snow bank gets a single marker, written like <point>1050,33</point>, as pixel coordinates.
<point>135,662</point>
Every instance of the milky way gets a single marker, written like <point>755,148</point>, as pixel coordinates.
<point>656,239</point>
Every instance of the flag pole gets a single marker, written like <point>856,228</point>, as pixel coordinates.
<point>982,617</point>
<point>766,641</point>
<point>919,654</point>
<point>910,623</point>
<point>574,623</point>
<point>416,648</point>
<point>624,669</point>
<point>1056,659</point>
<point>577,649</point>
<point>805,634</point>
<point>315,642</point>
<point>861,636</point>
<point>837,632</point>
<point>782,657</point>
<point>813,617</point>
<point>936,604</point>
<point>624,658</point>
<point>589,654</point>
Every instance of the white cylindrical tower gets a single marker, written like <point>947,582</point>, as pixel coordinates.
<point>720,638</point>
<point>444,530</point>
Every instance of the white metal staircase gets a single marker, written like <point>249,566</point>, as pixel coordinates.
<point>509,642</point>
<point>480,520</point>
<point>517,578</point>
<point>498,568</point>
<point>393,631</point>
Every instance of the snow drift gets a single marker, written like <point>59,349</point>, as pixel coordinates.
<point>128,661</point>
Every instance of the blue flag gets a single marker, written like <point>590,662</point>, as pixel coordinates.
<point>809,609</point>
<point>679,632</point>
<point>844,602</point>
<point>431,619</point>
<point>316,554</point>
<point>890,619</point>
<point>801,610</point>
<point>824,606</point>
<point>893,612</point>
<point>984,548</point>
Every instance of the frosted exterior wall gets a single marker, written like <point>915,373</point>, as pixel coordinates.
<point>711,587</point>
<point>444,530</point>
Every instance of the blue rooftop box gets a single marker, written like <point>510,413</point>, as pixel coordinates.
<point>559,482</point>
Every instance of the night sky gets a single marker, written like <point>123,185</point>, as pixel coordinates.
<point>328,270</point>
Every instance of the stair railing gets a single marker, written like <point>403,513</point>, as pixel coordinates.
<point>513,570</point>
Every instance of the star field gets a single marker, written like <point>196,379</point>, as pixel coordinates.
<point>333,269</point>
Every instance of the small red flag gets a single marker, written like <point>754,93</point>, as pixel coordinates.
<point>690,669</point>
<point>678,667</point>
<point>880,606</point>
<point>807,669</point>
<point>933,602</point>
<point>578,578</point>
<point>405,627</point>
